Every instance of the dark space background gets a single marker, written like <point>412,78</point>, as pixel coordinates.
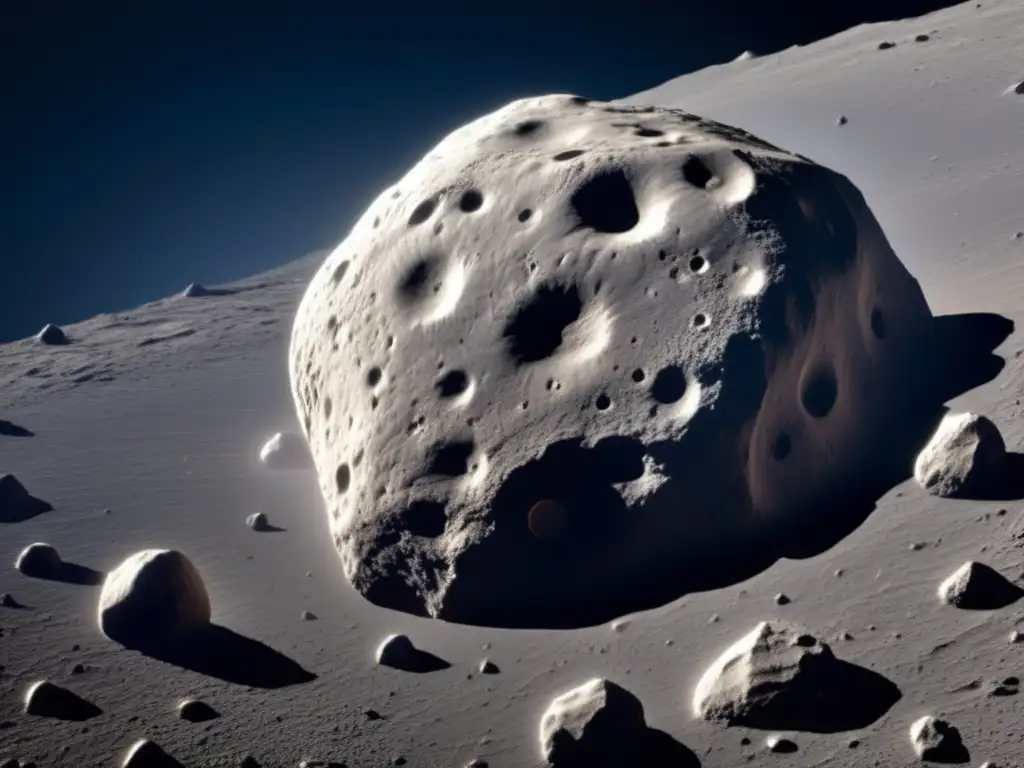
<point>146,145</point>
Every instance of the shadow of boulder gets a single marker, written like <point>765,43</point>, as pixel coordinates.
<point>419,662</point>
<point>9,429</point>
<point>650,748</point>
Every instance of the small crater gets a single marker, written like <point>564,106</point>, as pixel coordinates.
<point>698,265</point>
<point>452,384</point>
<point>697,173</point>
<point>603,402</point>
<point>373,376</point>
<point>878,323</point>
<point>524,215</point>
<point>528,128</point>
<point>339,272</point>
<point>669,385</point>
<point>639,375</point>
<point>648,133</point>
<point>471,201</point>
<point>422,212</point>
<point>700,320</point>
<point>420,280</point>
<point>820,393</point>
<point>547,519</point>
<point>450,459</point>
<point>606,203</point>
<point>782,446</point>
<point>535,331</point>
<point>343,478</point>
<point>568,154</point>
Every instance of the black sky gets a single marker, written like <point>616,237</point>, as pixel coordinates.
<point>144,145</point>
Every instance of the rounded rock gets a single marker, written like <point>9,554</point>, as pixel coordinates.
<point>40,560</point>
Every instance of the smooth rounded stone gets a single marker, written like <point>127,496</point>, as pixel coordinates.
<point>936,740</point>
<point>285,450</point>
<point>258,521</point>
<point>594,720</point>
<point>148,754</point>
<point>152,596</point>
<point>482,371</point>
<point>963,456</point>
<point>52,335</point>
<point>976,586</point>
<point>40,560</point>
<point>196,711</point>
<point>396,651</point>
<point>44,699</point>
<point>781,745</point>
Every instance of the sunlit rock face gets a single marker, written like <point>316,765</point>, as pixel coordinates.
<point>581,346</point>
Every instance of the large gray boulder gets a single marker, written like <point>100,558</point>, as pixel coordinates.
<point>580,346</point>
<point>963,456</point>
<point>590,722</point>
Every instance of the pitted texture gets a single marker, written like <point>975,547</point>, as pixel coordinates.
<point>579,345</point>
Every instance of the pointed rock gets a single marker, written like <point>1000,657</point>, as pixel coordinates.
<point>936,740</point>
<point>488,667</point>
<point>52,335</point>
<point>195,290</point>
<point>196,711</point>
<point>396,651</point>
<point>44,699</point>
<point>147,754</point>
<point>963,457</point>
<point>152,596</point>
<point>589,722</point>
<point>39,560</point>
<point>8,601</point>
<point>286,450</point>
<point>976,586</point>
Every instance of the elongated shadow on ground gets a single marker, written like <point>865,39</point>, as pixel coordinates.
<point>9,429</point>
<point>216,651</point>
<point>650,748</point>
<point>25,509</point>
<point>420,662</point>
<point>73,573</point>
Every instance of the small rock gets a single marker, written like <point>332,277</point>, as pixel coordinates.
<point>258,522</point>
<point>886,45</point>
<point>921,38</point>
<point>147,754</point>
<point>396,651</point>
<point>937,740</point>
<point>597,719</point>
<point>39,560</point>
<point>78,669</point>
<point>1016,637</point>
<point>286,450</point>
<point>963,456</point>
<point>842,120</point>
<point>196,711</point>
<point>476,762</point>
<point>249,762</point>
<point>1019,88</point>
<point>781,599</point>
<point>308,616</point>
<point>16,503</point>
<point>976,586</point>
<point>44,699</point>
<point>488,667</point>
<point>8,601</point>
<point>152,596</point>
<point>372,715</point>
<point>52,335</point>
<point>195,290</point>
<point>781,745</point>
<point>854,743</point>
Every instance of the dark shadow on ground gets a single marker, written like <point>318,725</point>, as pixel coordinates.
<point>650,748</point>
<point>845,697</point>
<point>420,662</point>
<point>219,652</point>
<point>9,429</point>
<point>72,573</point>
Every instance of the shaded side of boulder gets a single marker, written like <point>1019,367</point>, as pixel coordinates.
<point>963,457</point>
<point>52,335</point>
<point>936,740</point>
<point>148,754</point>
<point>979,587</point>
<point>152,596</point>
<point>196,711</point>
<point>588,723</point>
<point>396,651</point>
<point>44,699</point>
<point>40,560</point>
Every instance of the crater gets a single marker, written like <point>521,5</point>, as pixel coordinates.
<point>669,385</point>
<point>697,173</point>
<point>568,154</point>
<point>450,459</point>
<point>782,446</point>
<point>535,331</point>
<point>425,518</point>
<point>878,323</point>
<point>605,203</point>
<point>527,128</point>
<point>422,212</point>
<point>417,282</point>
<point>452,384</point>
<point>820,392</point>
<point>343,478</point>
<point>339,272</point>
<point>472,200</point>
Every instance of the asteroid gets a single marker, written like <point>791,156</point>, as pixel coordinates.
<point>964,456</point>
<point>936,740</point>
<point>52,335</point>
<point>151,597</point>
<point>44,699</point>
<point>979,587</point>
<point>780,677</point>
<point>486,377</point>
<point>285,450</point>
<point>581,727</point>
<point>39,560</point>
